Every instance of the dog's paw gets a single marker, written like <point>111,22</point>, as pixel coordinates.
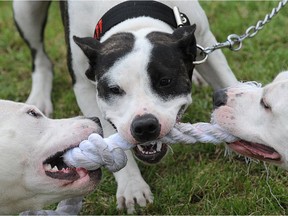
<point>133,192</point>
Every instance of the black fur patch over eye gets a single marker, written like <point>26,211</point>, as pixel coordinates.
<point>168,73</point>
<point>108,91</point>
<point>169,69</point>
<point>165,82</point>
<point>116,90</point>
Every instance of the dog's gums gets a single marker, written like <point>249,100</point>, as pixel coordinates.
<point>256,150</point>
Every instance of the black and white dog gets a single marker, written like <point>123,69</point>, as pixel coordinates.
<point>135,73</point>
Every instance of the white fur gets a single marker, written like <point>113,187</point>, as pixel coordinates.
<point>245,117</point>
<point>25,142</point>
<point>83,18</point>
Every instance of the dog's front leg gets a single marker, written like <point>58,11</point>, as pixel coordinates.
<point>132,188</point>
<point>30,18</point>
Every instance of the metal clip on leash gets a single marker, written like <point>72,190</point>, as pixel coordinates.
<point>234,41</point>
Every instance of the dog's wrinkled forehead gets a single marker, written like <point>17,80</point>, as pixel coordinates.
<point>118,44</point>
<point>113,49</point>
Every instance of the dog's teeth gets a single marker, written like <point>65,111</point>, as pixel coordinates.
<point>159,146</point>
<point>140,148</point>
<point>55,168</point>
<point>152,151</point>
<point>47,167</point>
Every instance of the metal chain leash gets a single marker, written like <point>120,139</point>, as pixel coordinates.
<point>234,41</point>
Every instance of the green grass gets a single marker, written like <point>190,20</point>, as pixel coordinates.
<point>195,179</point>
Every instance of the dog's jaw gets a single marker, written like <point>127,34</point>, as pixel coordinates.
<point>55,168</point>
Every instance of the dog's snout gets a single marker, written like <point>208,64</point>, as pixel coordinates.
<point>219,98</point>
<point>145,128</point>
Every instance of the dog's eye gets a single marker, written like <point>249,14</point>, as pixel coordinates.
<point>33,113</point>
<point>116,90</point>
<point>264,104</point>
<point>165,82</point>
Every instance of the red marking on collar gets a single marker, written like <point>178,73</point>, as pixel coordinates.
<point>98,30</point>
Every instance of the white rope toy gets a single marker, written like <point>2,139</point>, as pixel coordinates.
<point>199,132</point>
<point>108,152</point>
<point>97,151</point>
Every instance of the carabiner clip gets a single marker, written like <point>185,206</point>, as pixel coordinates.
<point>202,54</point>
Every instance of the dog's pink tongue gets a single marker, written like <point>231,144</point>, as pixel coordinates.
<point>255,150</point>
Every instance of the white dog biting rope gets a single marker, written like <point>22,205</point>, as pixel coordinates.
<point>108,152</point>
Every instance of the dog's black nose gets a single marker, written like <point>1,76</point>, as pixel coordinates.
<point>145,128</point>
<point>219,98</point>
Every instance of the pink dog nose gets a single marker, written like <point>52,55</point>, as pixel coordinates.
<point>145,128</point>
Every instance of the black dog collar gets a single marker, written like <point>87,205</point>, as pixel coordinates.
<point>132,9</point>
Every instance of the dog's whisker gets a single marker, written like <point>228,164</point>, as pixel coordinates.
<point>270,189</point>
<point>228,152</point>
<point>171,149</point>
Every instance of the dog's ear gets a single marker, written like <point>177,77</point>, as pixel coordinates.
<point>89,46</point>
<point>186,40</point>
